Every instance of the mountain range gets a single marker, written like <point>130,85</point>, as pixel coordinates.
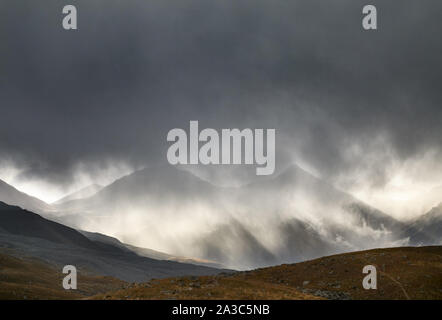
<point>292,217</point>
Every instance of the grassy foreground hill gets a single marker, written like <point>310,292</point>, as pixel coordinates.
<point>403,273</point>
<point>23,278</point>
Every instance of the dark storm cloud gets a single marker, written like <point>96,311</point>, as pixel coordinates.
<point>136,69</point>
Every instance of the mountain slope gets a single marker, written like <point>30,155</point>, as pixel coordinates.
<point>31,235</point>
<point>141,188</point>
<point>427,229</point>
<point>80,194</point>
<point>21,222</point>
<point>148,253</point>
<point>402,273</point>
<point>29,279</point>
<point>12,196</point>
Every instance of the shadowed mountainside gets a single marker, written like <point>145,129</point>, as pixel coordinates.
<point>29,234</point>
<point>146,252</point>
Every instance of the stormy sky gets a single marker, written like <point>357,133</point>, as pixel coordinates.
<point>362,109</point>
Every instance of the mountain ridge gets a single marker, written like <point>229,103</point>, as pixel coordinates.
<point>79,194</point>
<point>13,196</point>
<point>29,234</point>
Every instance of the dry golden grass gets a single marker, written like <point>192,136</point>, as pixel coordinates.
<point>27,278</point>
<point>403,273</point>
<point>206,287</point>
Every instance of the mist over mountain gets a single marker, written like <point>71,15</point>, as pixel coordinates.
<point>298,217</point>
<point>146,252</point>
<point>12,196</point>
<point>291,217</point>
<point>143,187</point>
<point>426,229</point>
<point>24,233</point>
<point>80,194</point>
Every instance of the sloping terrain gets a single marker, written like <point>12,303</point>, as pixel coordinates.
<point>29,278</point>
<point>141,187</point>
<point>12,196</point>
<point>146,252</point>
<point>427,229</point>
<point>403,273</point>
<point>19,222</point>
<point>80,194</point>
<point>31,235</point>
